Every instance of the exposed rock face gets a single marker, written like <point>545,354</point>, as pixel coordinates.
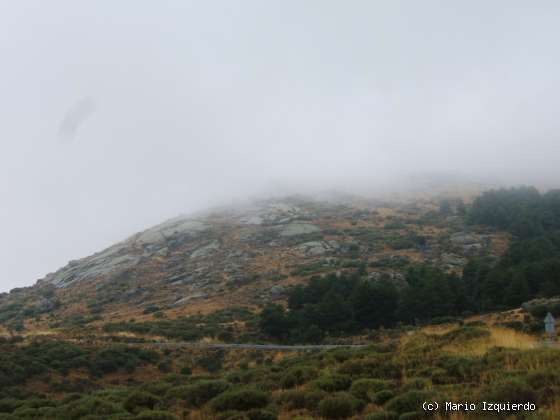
<point>252,220</point>
<point>472,249</point>
<point>463,238</point>
<point>272,213</point>
<point>174,227</point>
<point>129,253</point>
<point>294,229</point>
<point>315,248</point>
<point>277,291</point>
<point>177,279</point>
<point>453,260</point>
<point>248,252</point>
<point>187,299</point>
<point>206,250</point>
<point>116,258</point>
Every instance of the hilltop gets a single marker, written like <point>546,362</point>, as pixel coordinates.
<point>252,255</point>
<point>362,308</point>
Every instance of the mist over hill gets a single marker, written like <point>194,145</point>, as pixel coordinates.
<point>108,130</point>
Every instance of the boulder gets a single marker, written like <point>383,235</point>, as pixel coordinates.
<point>453,260</point>
<point>187,299</point>
<point>166,230</point>
<point>277,291</point>
<point>206,250</point>
<point>315,248</point>
<point>463,238</point>
<point>293,229</point>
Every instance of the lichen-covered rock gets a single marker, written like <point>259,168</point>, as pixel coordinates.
<point>293,229</point>
<point>187,299</point>
<point>315,248</point>
<point>206,250</point>
<point>453,260</point>
<point>463,238</point>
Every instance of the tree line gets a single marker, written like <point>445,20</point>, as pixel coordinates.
<point>349,303</point>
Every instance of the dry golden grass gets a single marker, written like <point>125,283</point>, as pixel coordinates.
<point>452,416</point>
<point>552,412</point>
<point>439,329</point>
<point>499,337</point>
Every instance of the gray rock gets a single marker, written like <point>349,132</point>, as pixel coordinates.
<point>163,252</point>
<point>124,255</point>
<point>455,221</point>
<point>294,229</point>
<point>463,238</point>
<point>134,291</point>
<point>173,227</point>
<point>277,291</point>
<point>182,278</point>
<point>111,260</point>
<point>252,220</point>
<point>315,248</point>
<point>453,260</point>
<point>187,299</point>
<point>472,249</point>
<point>206,250</point>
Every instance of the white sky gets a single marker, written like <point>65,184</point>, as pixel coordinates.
<point>116,115</point>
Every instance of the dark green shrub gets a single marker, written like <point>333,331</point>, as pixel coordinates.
<point>187,371</point>
<point>165,366</point>
<point>365,388</point>
<point>382,397</point>
<point>26,413</point>
<point>332,383</point>
<point>238,416</point>
<point>513,390</point>
<point>90,406</point>
<point>299,399</point>
<point>155,415</point>
<point>240,399</point>
<point>313,398</point>
<point>458,369</point>
<point>417,383</point>
<point>199,393</point>
<point>408,402</point>
<point>212,362</point>
<point>543,377</point>
<point>232,415</point>
<point>413,415</point>
<point>382,415</point>
<point>336,407</point>
<point>116,357</point>
<point>139,401</point>
<point>374,366</point>
<point>292,399</point>
<point>8,405</point>
<point>157,388</point>
<point>466,334</point>
<point>297,376</point>
<point>257,414</point>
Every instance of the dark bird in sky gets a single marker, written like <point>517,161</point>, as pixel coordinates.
<point>74,118</point>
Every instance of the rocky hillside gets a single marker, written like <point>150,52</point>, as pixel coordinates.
<point>249,256</point>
